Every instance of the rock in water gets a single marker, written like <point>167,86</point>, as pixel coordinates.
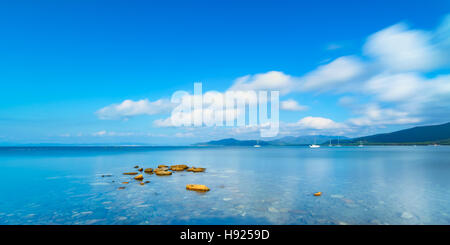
<point>142,183</point>
<point>141,169</point>
<point>125,183</point>
<point>197,188</point>
<point>121,188</point>
<point>180,167</point>
<point>130,173</point>
<point>136,166</point>
<point>163,172</point>
<point>196,170</point>
<point>139,177</point>
<point>161,169</point>
<point>147,181</point>
<point>317,194</point>
<point>162,166</point>
<point>148,170</point>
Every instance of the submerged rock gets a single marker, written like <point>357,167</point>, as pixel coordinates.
<point>196,170</point>
<point>139,177</point>
<point>148,170</point>
<point>142,183</point>
<point>163,172</point>
<point>160,169</point>
<point>121,188</point>
<point>148,181</point>
<point>136,166</point>
<point>180,167</point>
<point>130,173</point>
<point>141,169</point>
<point>197,187</point>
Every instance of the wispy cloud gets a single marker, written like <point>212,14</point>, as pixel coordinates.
<point>292,105</point>
<point>272,80</point>
<point>398,48</point>
<point>130,108</point>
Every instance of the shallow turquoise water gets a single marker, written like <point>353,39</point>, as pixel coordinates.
<point>268,185</point>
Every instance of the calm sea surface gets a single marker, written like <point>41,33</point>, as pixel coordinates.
<point>268,185</point>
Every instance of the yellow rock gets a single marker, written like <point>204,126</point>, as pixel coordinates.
<point>162,166</point>
<point>139,177</point>
<point>148,170</point>
<point>130,173</point>
<point>142,183</point>
<point>318,194</point>
<point>197,187</point>
<point>198,170</point>
<point>179,167</point>
<point>140,170</point>
<point>190,169</point>
<point>163,173</point>
<point>161,169</point>
<point>125,182</point>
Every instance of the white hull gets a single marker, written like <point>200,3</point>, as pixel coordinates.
<point>314,146</point>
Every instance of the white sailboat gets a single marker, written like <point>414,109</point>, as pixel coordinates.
<point>257,144</point>
<point>314,145</point>
<point>360,144</point>
<point>338,145</point>
<point>330,145</point>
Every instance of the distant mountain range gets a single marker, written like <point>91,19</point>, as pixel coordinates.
<point>288,140</point>
<point>424,135</point>
<point>434,134</point>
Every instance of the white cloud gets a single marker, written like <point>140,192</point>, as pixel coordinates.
<point>162,123</point>
<point>333,74</point>
<point>319,123</point>
<point>100,133</point>
<point>395,87</point>
<point>111,133</point>
<point>400,49</point>
<point>373,115</point>
<point>130,108</point>
<point>212,114</point>
<point>184,135</point>
<point>292,105</point>
<point>272,81</point>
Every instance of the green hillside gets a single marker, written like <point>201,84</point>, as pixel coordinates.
<point>435,134</point>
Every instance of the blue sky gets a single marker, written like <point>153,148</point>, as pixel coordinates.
<point>348,67</point>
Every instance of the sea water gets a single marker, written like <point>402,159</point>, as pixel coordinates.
<point>267,185</point>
